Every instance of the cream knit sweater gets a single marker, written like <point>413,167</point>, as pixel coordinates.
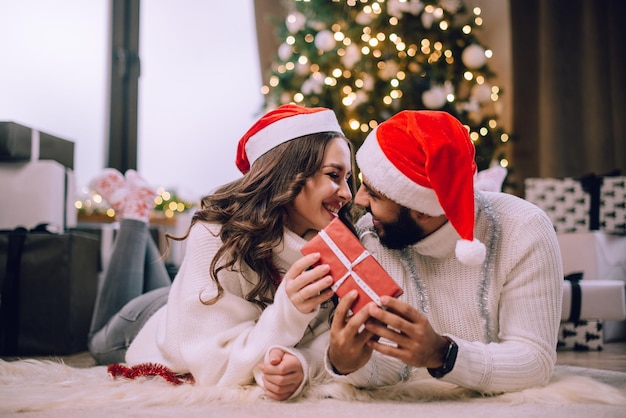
<point>221,344</point>
<point>505,326</point>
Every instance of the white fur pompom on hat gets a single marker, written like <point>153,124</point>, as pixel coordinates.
<point>424,160</point>
<point>471,253</point>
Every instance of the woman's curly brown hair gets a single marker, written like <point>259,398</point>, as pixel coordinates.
<point>252,210</point>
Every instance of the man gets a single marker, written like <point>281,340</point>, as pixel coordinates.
<point>481,271</point>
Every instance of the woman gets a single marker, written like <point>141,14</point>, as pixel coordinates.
<point>244,305</point>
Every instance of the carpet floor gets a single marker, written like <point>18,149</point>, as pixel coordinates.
<point>39,388</point>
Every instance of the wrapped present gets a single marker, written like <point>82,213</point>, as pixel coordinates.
<point>598,255</point>
<point>37,192</point>
<point>612,211</point>
<point>580,336</point>
<point>351,265</point>
<point>592,299</point>
<point>591,202</point>
<point>563,200</point>
<point>49,283</point>
<point>19,143</point>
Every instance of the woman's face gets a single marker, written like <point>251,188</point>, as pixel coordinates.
<point>325,193</point>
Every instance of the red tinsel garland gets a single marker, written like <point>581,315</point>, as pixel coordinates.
<point>149,369</point>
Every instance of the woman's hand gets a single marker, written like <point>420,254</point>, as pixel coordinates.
<point>308,288</point>
<point>282,374</point>
<point>349,348</point>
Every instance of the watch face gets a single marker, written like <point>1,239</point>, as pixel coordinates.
<point>451,356</point>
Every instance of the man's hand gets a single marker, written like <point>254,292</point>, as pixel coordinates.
<point>418,344</point>
<point>282,375</point>
<point>349,350</point>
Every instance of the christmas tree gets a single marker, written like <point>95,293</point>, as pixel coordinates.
<point>369,59</point>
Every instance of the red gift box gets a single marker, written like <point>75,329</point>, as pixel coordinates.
<point>351,265</point>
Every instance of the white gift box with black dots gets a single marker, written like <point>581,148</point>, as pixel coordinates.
<point>581,336</point>
<point>588,203</point>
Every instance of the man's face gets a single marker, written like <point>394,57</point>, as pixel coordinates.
<point>394,224</point>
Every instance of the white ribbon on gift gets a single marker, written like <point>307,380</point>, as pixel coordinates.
<point>349,266</point>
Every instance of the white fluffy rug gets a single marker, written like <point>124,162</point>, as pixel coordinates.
<point>45,388</point>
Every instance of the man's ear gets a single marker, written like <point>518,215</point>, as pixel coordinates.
<point>428,222</point>
<point>418,216</point>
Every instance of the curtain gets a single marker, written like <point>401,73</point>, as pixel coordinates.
<point>267,14</point>
<point>569,92</point>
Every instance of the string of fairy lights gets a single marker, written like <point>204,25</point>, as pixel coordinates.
<point>167,204</point>
<point>369,59</point>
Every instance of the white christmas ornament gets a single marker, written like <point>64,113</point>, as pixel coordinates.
<point>284,51</point>
<point>352,56</point>
<point>451,6</point>
<point>395,8</point>
<point>325,40</point>
<point>303,69</point>
<point>415,7</point>
<point>361,97</point>
<point>307,87</point>
<point>389,70</point>
<point>473,56</point>
<point>295,22</point>
<point>368,83</point>
<point>363,18</point>
<point>317,25</point>
<point>427,19</point>
<point>434,98</point>
<point>313,84</point>
<point>481,93</point>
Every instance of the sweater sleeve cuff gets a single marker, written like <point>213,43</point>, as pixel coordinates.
<point>258,375</point>
<point>379,370</point>
<point>469,368</point>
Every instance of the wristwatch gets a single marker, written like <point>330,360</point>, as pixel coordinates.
<point>448,361</point>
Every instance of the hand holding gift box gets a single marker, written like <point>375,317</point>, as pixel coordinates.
<point>351,265</point>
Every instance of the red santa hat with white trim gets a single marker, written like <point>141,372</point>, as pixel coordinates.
<point>280,125</point>
<point>424,160</point>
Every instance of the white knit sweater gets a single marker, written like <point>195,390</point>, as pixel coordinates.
<point>505,326</point>
<point>221,344</point>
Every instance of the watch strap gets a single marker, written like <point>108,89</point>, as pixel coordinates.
<point>448,361</point>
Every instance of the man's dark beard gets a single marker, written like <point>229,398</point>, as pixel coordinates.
<point>401,233</point>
